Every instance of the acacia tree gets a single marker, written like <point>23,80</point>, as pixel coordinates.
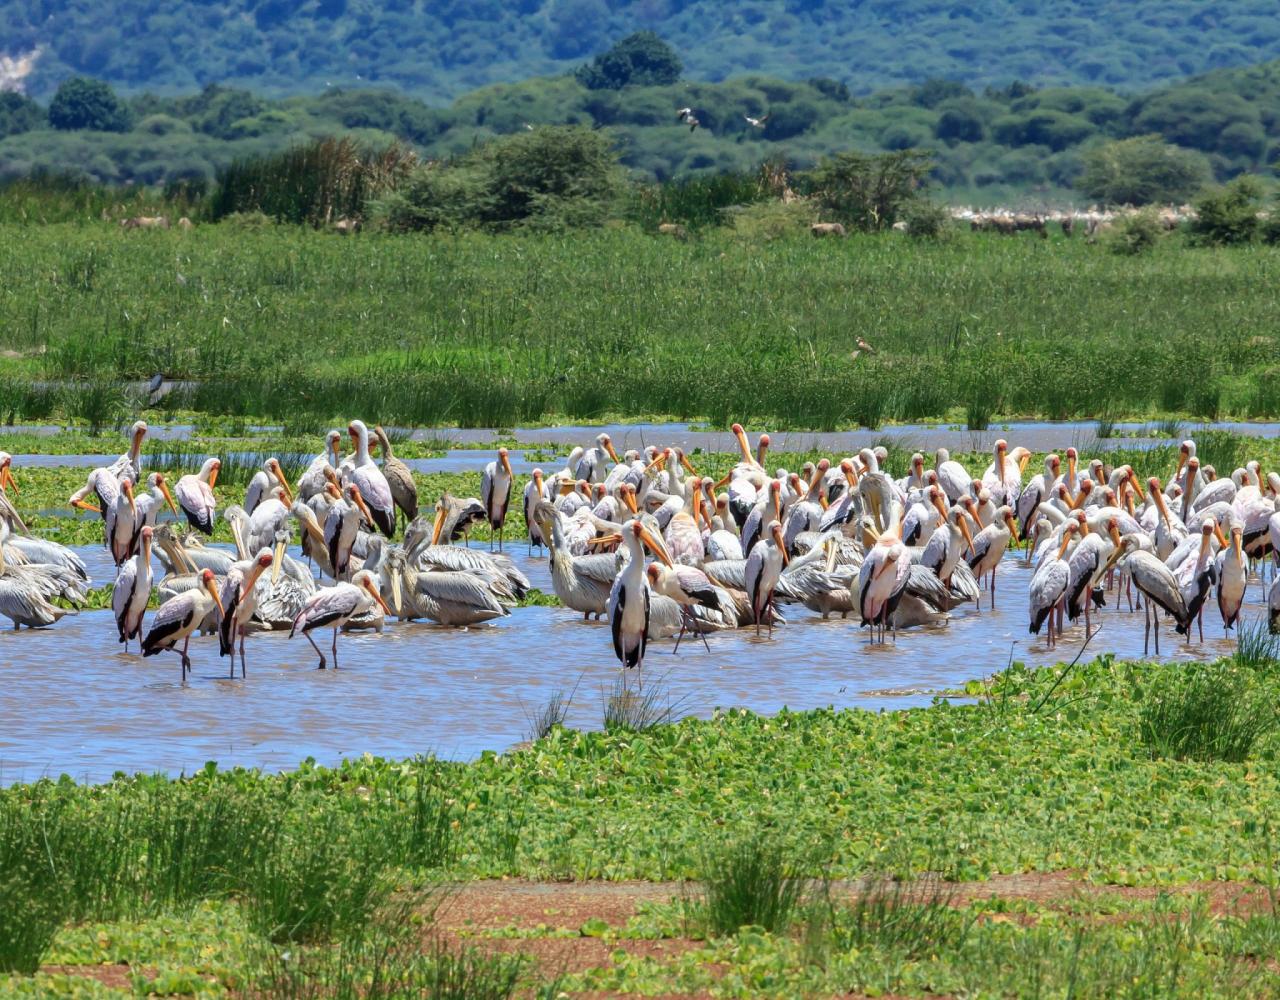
<point>868,191</point>
<point>84,103</point>
<point>639,60</point>
<point>1144,170</point>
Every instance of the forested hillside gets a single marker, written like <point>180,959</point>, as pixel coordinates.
<point>987,145</point>
<point>439,49</point>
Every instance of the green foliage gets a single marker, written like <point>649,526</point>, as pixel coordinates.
<point>1133,234</point>
<point>695,202</point>
<point>1209,713</point>
<point>751,880</point>
<point>1228,214</point>
<point>772,220</point>
<point>1256,646</point>
<point>18,113</point>
<point>641,59</point>
<point>1142,171</point>
<point>1001,141</point>
<point>84,103</point>
<point>504,335</point>
<point>440,50</point>
<point>549,179</point>
<point>317,184</point>
<point>924,218</point>
<point>32,894</point>
<point>865,191</point>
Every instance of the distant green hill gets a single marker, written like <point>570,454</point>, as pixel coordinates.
<point>439,49</point>
<point>989,145</point>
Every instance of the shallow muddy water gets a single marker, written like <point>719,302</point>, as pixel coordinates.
<point>71,701</point>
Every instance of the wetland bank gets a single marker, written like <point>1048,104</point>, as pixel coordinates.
<point>353,866</point>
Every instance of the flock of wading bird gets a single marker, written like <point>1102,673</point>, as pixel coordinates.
<point>841,537</point>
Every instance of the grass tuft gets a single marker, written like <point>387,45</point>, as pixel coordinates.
<point>1206,713</point>
<point>750,880</point>
<point>630,710</point>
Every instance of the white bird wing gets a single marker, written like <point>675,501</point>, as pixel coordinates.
<point>449,587</point>
<point>253,496</point>
<point>328,606</point>
<point>601,568</point>
<point>373,486</point>
<point>487,478</point>
<point>22,603</point>
<point>122,589</point>
<point>193,494</point>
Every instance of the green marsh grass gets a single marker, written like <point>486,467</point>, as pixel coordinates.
<point>287,324</point>
<point>751,879</point>
<point>632,707</point>
<point>1256,646</point>
<point>551,714</point>
<point>1210,712</point>
<point>912,918</point>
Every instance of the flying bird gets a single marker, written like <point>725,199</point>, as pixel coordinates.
<point>756,122</point>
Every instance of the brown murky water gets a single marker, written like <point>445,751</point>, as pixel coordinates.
<point>71,701</point>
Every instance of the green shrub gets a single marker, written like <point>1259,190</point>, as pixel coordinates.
<point>1133,234</point>
<point>926,219</point>
<point>32,890</point>
<point>1144,170</point>
<point>750,880</point>
<point>1228,214</point>
<point>771,220</point>
<point>1206,713</point>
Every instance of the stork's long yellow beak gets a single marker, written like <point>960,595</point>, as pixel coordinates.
<point>377,597</point>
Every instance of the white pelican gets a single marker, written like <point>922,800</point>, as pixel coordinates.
<point>495,493</point>
<point>404,491</point>
<point>374,487</point>
<point>629,599</point>
<point>1233,578</point>
<point>332,607</point>
<point>195,496</point>
<point>260,528</point>
<point>582,583</point>
<point>180,616</point>
<point>24,599</point>
<point>764,567</point>
<point>448,597</point>
<point>263,482</point>
<point>989,547</point>
<point>132,590</point>
<point>1049,585</point>
<point>129,465</point>
<point>237,602</point>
